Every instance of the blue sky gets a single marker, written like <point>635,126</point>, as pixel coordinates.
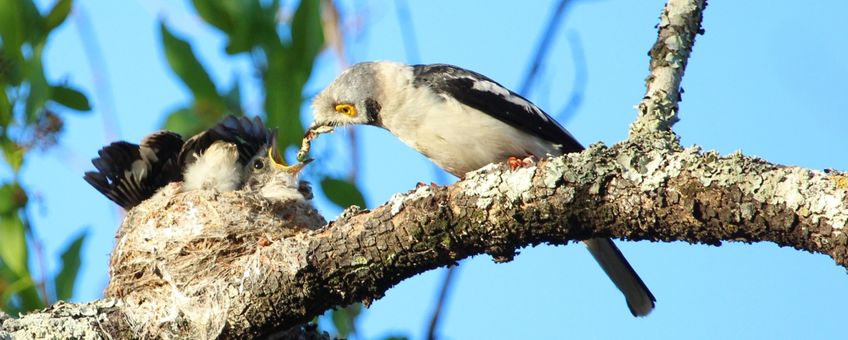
<point>768,79</point>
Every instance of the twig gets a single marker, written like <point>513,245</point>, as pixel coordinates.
<point>578,88</point>
<point>355,155</point>
<point>103,89</point>
<point>542,49</point>
<point>410,43</point>
<point>680,22</point>
<point>38,249</point>
<point>434,320</point>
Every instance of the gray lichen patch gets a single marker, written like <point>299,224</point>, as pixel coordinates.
<point>808,193</point>
<point>60,321</point>
<point>488,183</point>
<point>397,200</point>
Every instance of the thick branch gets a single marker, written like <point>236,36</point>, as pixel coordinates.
<point>101,319</point>
<point>679,23</point>
<point>626,192</point>
<point>286,277</point>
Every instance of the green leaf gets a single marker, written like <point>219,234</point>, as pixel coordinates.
<point>243,22</point>
<point>215,13</point>
<point>58,14</point>
<point>13,153</point>
<point>233,99</point>
<point>10,69</point>
<point>342,192</point>
<point>12,28</point>
<point>288,70</point>
<point>5,106</point>
<point>13,249</point>
<point>184,63</point>
<point>248,19</point>
<point>34,23</point>
<point>185,122</point>
<point>344,319</point>
<point>396,337</point>
<point>70,98</point>
<point>39,89</point>
<point>12,198</point>
<point>67,276</point>
<point>24,289</point>
<point>307,37</point>
<point>282,106</point>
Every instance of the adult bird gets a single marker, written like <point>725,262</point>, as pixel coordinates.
<point>237,153</point>
<point>462,121</point>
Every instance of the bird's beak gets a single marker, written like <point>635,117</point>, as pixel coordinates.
<point>279,163</point>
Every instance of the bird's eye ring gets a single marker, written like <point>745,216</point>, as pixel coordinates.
<point>258,164</point>
<point>346,109</point>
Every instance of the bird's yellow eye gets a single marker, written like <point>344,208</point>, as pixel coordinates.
<point>346,109</point>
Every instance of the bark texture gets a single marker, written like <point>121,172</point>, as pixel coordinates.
<point>632,190</point>
<point>680,23</point>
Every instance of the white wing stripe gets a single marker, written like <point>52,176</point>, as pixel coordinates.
<point>488,86</point>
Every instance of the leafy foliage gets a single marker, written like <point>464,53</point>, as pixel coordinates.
<point>28,121</point>
<point>285,64</point>
<point>344,319</point>
<point>342,192</point>
<point>67,276</point>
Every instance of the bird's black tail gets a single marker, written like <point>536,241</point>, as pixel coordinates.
<point>639,298</point>
<point>128,173</point>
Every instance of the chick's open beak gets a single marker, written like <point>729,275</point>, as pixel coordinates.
<point>279,163</point>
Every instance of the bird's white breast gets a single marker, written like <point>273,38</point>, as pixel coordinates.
<point>216,169</point>
<point>456,137</point>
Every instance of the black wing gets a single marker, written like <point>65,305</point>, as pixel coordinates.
<point>128,173</point>
<point>249,136</point>
<point>484,94</point>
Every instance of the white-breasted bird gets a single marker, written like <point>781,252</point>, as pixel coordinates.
<point>462,121</point>
<point>237,153</point>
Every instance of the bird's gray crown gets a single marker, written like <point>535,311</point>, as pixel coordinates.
<point>360,86</point>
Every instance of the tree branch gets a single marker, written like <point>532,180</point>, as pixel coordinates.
<point>680,22</point>
<point>248,271</point>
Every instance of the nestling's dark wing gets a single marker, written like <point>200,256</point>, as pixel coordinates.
<point>484,94</point>
<point>249,136</point>
<point>128,173</point>
<point>305,189</point>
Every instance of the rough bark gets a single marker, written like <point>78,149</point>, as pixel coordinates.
<point>680,23</point>
<point>204,264</point>
<point>632,191</point>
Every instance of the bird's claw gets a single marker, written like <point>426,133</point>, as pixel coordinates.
<point>515,162</point>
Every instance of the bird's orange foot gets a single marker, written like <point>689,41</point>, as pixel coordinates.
<point>515,162</point>
<point>264,242</point>
<point>422,184</point>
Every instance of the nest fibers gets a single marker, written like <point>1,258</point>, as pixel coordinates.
<point>184,259</point>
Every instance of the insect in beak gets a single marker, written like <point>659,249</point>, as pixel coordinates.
<point>311,134</point>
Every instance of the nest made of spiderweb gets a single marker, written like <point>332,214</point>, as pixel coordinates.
<point>185,258</point>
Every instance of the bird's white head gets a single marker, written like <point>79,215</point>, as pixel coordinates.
<point>355,97</point>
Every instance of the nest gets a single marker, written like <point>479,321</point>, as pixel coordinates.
<point>179,256</point>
